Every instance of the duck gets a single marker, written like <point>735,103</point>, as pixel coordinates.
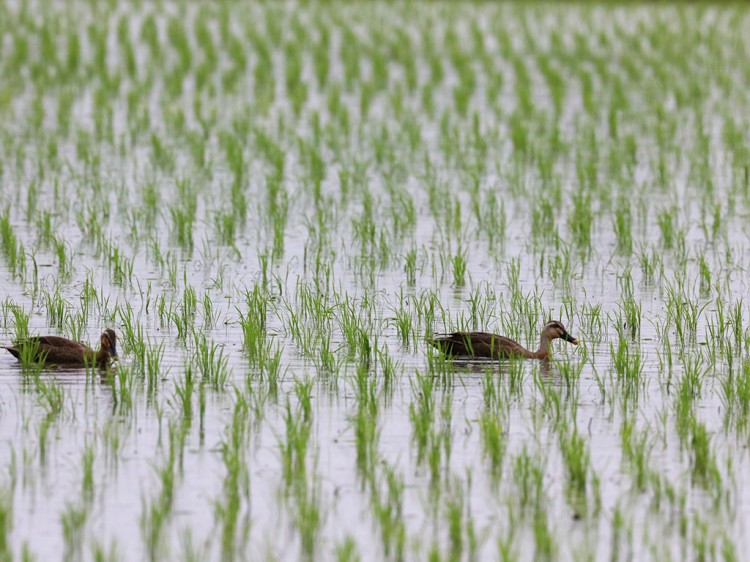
<point>483,344</point>
<point>62,351</point>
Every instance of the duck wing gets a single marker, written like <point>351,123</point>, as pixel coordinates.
<point>478,344</point>
<point>53,349</point>
<point>58,342</point>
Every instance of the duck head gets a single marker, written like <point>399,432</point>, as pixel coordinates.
<point>554,329</point>
<point>108,341</point>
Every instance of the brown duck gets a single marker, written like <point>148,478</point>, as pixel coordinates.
<point>482,344</point>
<point>62,351</point>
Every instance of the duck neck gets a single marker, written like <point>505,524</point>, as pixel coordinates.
<point>102,356</point>
<point>543,350</point>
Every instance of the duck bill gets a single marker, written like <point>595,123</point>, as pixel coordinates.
<point>567,337</point>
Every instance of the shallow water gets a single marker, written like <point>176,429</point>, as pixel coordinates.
<point>333,281</point>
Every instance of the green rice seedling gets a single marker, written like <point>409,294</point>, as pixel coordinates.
<point>131,333</point>
<point>494,442</point>
<point>705,276</point>
<point>735,395</point>
<point>505,544</point>
<point>571,374</point>
<point>388,508</point>
<point>294,447</point>
<point>628,365</point>
<point>184,317</point>
<point>236,490</point>
<point>651,265</point>
<point>153,356</point>
<point>552,399</point>
<point>183,214</point>
<point>494,221</point>
<point>30,366</point>
<point>516,378</point>
<point>308,516</point>
<point>34,275</point>
<point>57,309</point>
<point>226,227</point>
<point>636,449</point>
<point>704,468</point>
<point>366,430</point>
<point>20,325</point>
<point>493,395</point>
<point>6,522</point>
<point>688,389</point>
<point>184,391</point>
<point>346,550</point>
<point>621,530</point>
<point>211,361</point>
<point>431,434</point>
<point>120,266</point>
<point>576,459</point>
<point>87,462</point>
<point>64,264</point>
<point>44,427</point>
<point>481,307</point>
<point>528,477</point>
<point>6,307</point>
<point>73,521</point>
<point>364,227</point>
<point>402,213</point>
<point>74,325</point>
<point>233,153</point>
<point>455,515</point>
<point>51,396</point>
<point>279,229</point>
<point>354,326</point>
<point>728,550</point>
<point>100,553</point>
<point>321,56</point>
<point>254,323</point>
<point>667,227</point>
<point>45,230</point>
<point>581,220</point>
<point>422,412</point>
<point>684,312</point>
<point>403,319</point>
<point>123,385</point>
<point>544,541</point>
<point>165,310</point>
<point>12,249</point>
<point>192,552</point>
<point>623,225</point>
<point>389,368</point>
<point>156,512</point>
<point>296,89</point>
<point>272,370</point>
<point>735,321</point>
<point>303,391</point>
<point>441,367</point>
<point>630,319</point>
<point>210,315</point>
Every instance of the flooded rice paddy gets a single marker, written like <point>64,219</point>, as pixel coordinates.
<point>275,205</point>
